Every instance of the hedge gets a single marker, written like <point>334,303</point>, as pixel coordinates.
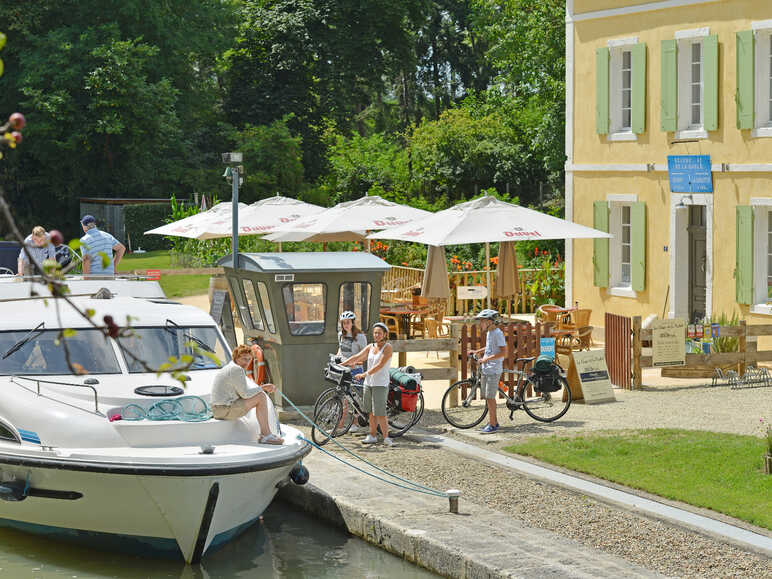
<point>139,218</point>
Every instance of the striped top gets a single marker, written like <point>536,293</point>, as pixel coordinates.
<point>94,243</point>
<point>39,254</point>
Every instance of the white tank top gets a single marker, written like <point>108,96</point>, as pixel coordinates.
<point>381,377</point>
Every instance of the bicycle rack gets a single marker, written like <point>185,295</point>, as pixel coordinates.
<point>753,378</point>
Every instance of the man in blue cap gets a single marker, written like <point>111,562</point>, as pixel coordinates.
<point>95,243</point>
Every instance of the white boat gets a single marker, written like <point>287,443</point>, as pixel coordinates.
<point>67,469</point>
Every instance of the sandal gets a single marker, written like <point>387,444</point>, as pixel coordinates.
<point>271,438</point>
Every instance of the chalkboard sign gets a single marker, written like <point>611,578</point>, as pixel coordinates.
<point>221,311</point>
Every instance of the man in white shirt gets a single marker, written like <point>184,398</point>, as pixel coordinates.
<point>232,397</point>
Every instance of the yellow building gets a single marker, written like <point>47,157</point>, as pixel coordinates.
<point>645,81</point>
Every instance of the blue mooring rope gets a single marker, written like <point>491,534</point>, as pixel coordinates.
<point>416,487</point>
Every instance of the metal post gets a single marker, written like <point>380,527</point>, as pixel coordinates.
<point>453,495</point>
<point>235,174</point>
<point>488,271</point>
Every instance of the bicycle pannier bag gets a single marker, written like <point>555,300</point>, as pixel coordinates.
<point>545,375</point>
<point>408,400</point>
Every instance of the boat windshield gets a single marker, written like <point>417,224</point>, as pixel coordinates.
<point>154,346</point>
<point>36,352</point>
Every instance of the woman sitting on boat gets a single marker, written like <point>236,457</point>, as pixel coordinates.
<point>232,398</point>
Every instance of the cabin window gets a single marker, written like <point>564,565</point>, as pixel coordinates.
<point>241,303</point>
<point>154,347</point>
<point>355,297</point>
<point>41,353</point>
<point>254,308</point>
<point>305,304</point>
<point>266,307</point>
<point>6,433</point>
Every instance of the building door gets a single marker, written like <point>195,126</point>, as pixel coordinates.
<point>697,262</point>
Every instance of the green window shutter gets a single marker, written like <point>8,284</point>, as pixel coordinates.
<point>638,249</point>
<point>710,71</point>
<point>745,79</point>
<point>601,90</point>
<point>669,102</point>
<point>744,267</point>
<point>639,87</point>
<point>600,246</point>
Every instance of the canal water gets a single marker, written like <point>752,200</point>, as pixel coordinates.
<point>288,544</point>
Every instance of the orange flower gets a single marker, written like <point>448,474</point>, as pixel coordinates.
<point>405,263</point>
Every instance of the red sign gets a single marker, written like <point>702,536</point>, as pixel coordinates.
<point>153,274</point>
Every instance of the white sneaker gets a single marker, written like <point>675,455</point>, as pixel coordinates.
<point>354,428</point>
<point>369,439</point>
<point>388,441</point>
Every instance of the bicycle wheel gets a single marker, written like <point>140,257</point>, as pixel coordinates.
<point>460,411</point>
<point>326,419</point>
<point>401,421</point>
<point>347,415</point>
<point>545,406</point>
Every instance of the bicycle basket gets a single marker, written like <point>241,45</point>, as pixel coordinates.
<point>337,374</point>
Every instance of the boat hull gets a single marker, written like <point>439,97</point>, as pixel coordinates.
<point>141,510</point>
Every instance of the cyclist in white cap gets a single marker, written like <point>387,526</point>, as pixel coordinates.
<point>492,363</point>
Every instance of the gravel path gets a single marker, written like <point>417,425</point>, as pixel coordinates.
<point>655,545</point>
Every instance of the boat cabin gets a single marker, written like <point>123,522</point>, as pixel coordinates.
<point>292,301</point>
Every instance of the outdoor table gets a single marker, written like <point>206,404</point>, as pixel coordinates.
<point>404,312</point>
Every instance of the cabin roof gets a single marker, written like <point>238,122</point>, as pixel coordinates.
<point>310,261</point>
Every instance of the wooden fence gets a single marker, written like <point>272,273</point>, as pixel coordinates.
<point>399,282</point>
<point>746,354</point>
<point>617,338</point>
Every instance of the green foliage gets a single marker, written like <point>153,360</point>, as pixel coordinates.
<point>725,343</point>
<point>142,217</point>
<point>706,469</point>
<point>272,160</point>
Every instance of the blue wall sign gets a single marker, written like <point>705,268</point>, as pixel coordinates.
<point>689,174</point>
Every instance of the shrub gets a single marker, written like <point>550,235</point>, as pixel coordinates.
<point>141,217</point>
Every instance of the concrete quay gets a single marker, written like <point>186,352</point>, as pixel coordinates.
<point>478,542</point>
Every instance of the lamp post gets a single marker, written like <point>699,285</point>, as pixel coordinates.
<point>234,172</point>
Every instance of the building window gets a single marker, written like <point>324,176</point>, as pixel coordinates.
<point>690,84</point>
<point>762,256</point>
<point>620,255</point>
<point>627,90</point>
<point>763,76</point>
<point>769,255</point>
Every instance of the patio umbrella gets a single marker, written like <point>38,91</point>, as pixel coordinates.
<point>435,283</point>
<point>369,213</point>
<point>320,237</point>
<point>266,215</point>
<point>487,220</point>
<point>201,225</point>
<point>507,280</point>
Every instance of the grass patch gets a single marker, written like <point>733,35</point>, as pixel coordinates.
<point>151,260</point>
<point>179,286</point>
<point>722,472</point>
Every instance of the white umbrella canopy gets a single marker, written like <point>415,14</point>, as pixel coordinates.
<point>368,213</point>
<point>266,215</point>
<point>280,236</point>
<point>484,220</point>
<point>201,225</point>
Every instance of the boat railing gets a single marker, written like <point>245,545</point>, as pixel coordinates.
<point>39,381</point>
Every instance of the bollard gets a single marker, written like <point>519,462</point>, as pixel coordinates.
<point>453,495</point>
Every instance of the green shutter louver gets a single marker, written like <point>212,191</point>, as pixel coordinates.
<point>669,87</point>
<point>638,249</point>
<point>639,88</point>
<point>600,246</point>
<point>710,71</point>
<point>745,79</point>
<point>743,272</point>
<point>601,90</point>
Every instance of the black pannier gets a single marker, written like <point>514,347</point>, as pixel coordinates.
<point>546,375</point>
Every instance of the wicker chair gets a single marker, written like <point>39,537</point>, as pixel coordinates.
<point>392,323</point>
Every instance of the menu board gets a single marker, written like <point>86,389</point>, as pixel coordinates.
<point>668,342</point>
<point>593,374</point>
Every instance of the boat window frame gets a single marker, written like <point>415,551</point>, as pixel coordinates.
<point>5,425</point>
<point>218,333</point>
<point>325,304</point>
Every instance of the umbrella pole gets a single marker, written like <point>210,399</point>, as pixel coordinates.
<point>488,271</point>
<point>280,247</point>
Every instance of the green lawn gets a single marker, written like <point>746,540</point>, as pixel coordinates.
<point>151,260</point>
<point>722,472</point>
<point>177,286</point>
